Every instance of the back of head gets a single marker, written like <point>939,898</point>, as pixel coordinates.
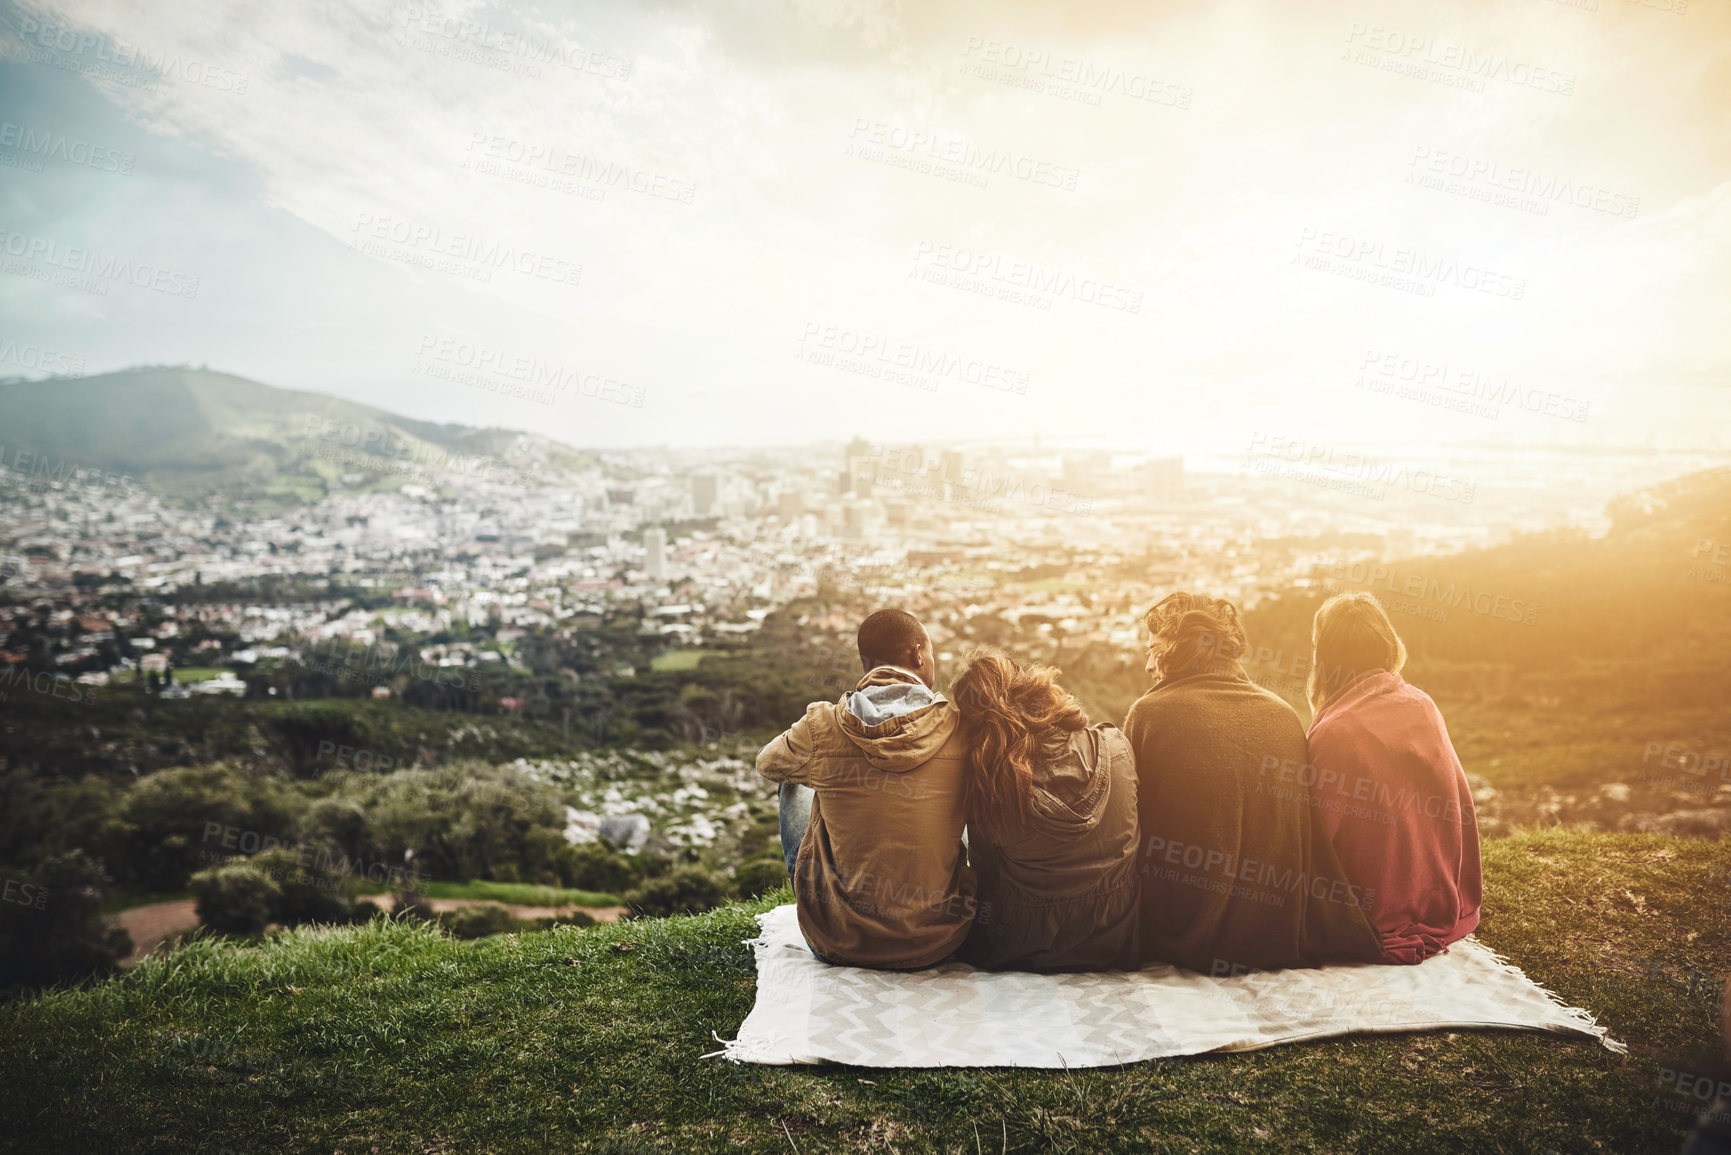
<point>1350,637</point>
<point>1195,632</point>
<point>1014,716</point>
<point>888,637</point>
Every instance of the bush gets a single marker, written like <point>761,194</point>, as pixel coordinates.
<point>478,921</point>
<point>593,866</point>
<point>236,899</point>
<point>310,893</point>
<point>52,930</point>
<point>760,876</point>
<point>688,890</point>
<point>182,819</point>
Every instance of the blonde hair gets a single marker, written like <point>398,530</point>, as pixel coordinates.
<point>1351,636</point>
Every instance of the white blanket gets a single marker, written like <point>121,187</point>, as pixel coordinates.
<point>955,1016</point>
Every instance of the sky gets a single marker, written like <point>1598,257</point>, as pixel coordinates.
<point>1177,228</point>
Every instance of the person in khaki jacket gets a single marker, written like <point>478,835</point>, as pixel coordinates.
<point>872,809</point>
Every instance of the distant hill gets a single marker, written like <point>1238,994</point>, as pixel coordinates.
<point>1642,612</point>
<point>188,432</point>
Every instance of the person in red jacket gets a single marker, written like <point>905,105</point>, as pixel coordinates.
<point>1391,792</point>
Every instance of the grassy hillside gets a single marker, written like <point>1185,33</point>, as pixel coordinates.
<point>388,1038</point>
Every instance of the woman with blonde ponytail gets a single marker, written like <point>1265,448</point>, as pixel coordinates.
<point>1051,825</point>
<point>1390,790</point>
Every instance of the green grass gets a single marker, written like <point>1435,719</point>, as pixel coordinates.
<point>182,674</point>
<point>391,1038</point>
<point>519,893</point>
<point>677,661</point>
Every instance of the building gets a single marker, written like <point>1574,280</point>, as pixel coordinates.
<point>655,553</point>
<point>705,494</point>
<point>1166,478</point>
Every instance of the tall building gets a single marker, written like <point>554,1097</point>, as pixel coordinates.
<point>705,492</point>
<point>790,505</point>
<point>655,553</point>
<point>1166,478</point>
<point>954,467</point>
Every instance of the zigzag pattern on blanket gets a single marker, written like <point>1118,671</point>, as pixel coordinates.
<point>953,1015</point>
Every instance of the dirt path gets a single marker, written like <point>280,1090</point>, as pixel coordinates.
<point>150,924</point>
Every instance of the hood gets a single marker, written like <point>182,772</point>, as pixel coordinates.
<point>896,721</point>
<point>1071,788</point>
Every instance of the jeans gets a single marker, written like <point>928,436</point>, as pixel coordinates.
<point>795,806</point>
<point>795,802</point>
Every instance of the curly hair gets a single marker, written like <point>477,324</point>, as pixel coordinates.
<point>1014,715</point>
<point>1194,633</point>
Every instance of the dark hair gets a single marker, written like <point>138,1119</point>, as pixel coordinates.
<point>888,637</point>
<point>1201,632</point>
<point>1013,716</point>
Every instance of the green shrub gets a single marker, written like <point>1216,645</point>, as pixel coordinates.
<point>759,876</point>
<point>310,892</point>
<point>478,921</point>
<point>236,899</point>
<point>593,866</point>
<point>184,819</point>
<point>687,890</point>
<point>51,930</point>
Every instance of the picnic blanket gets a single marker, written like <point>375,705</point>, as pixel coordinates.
<point>952,1015</point>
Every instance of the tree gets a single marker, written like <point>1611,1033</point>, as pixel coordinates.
<point>51,927</point>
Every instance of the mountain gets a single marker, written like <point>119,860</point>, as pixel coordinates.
<point>186,433</point>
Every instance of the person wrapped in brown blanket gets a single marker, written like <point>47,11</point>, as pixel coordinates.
<point>1237,871</point>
